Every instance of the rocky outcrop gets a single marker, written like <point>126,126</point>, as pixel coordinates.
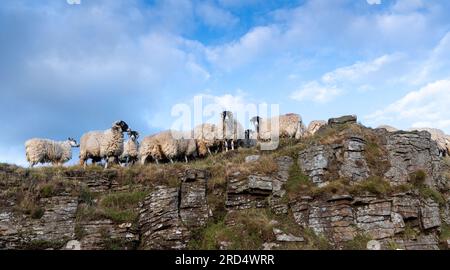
<point>442,140</point>
<point>347,119</point>
<point>347,158</point>
<point>314,126</point>
<point>257,191</point>
<point>342,218</point>
<point>159,220</point>
<point>168,214</point>
<point>410,152</point>
<point>353,165</point>
<point>51,230</point>
<point>193,206</point>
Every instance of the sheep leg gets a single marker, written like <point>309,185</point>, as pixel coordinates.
<point>143,159</point>
<point>226,145</point>
<point>171,161</point>
<point>209,151</point>
<point>157,162</point>
<point>232,144</point>
<point>106,163</point>
<point>186,158</point>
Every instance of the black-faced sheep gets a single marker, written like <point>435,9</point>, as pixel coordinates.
<point>289,126</point>
<point>130,149</point>
<point>229,130</point>
<point>107,144</point>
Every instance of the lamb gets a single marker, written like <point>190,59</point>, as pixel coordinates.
<point>229,130</point>
<point>167,144</point>
<point>290,126</point>
<point>49,151</point>
<point>130,149</point>
<point>107,144</point>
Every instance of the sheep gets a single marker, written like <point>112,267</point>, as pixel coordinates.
<point>49,151</point>
<point>150,147</point>
<point>130,149</point>
<point>187,145</point>
<point>290,126</point>
<point>229,130</point>
<point>107,144</point>
<point>206,137</point>
<point>167,144</point>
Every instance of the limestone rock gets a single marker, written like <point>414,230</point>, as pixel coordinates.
<point>104,234</point>
<point>159,221</point>
<point>387,128</point>
<point>410,152</point>
<point>286,237</point>
<point>430,217</point>
<point>252,158</point>
<point>314,126</point>
<point>354,165</point>
<point>193,204</point>
<point>314,162</point>
<point>378,220</point>
<point>347,119</point>
<point>73,245</point>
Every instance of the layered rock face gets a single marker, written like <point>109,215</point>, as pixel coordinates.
<point>410,152</point>
<point>84,209</point>
<point>318,161</point>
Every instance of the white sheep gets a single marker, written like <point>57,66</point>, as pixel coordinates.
<point>130,149</point>
<point>207,138</point>
<point>229,130</point>
<point>107,144</point>
<point>150,148</point>
<point>289,126</point>
<point>49,151</point>
<point>168,144</point>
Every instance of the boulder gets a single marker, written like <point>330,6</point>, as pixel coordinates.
<point>347,119</point>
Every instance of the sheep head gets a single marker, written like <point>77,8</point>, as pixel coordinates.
<point>73,142</point>
<point>121,125</point>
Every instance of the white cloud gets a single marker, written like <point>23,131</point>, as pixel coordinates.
<point>316,92</point>
<point>426,106</point>
<point>407,5</point>
<point>373,2</point>
<point>252,45</point>
<point>215,16</point>
<point>357,76</point>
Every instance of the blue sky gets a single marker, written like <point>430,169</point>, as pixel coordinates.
<point>67,69</point>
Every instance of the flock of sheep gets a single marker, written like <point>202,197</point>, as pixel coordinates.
<point>203,140</point>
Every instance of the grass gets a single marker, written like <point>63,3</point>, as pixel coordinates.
<point>417,178</point>
<point>251,229</point>
<point>120,206</point>
<point>431,193</point>
<point>373,185</point>
<point>44,244</point>
<point>359,242</point>
<point>315,241</point>
<point>297,180</point>
<point>445,232</point>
